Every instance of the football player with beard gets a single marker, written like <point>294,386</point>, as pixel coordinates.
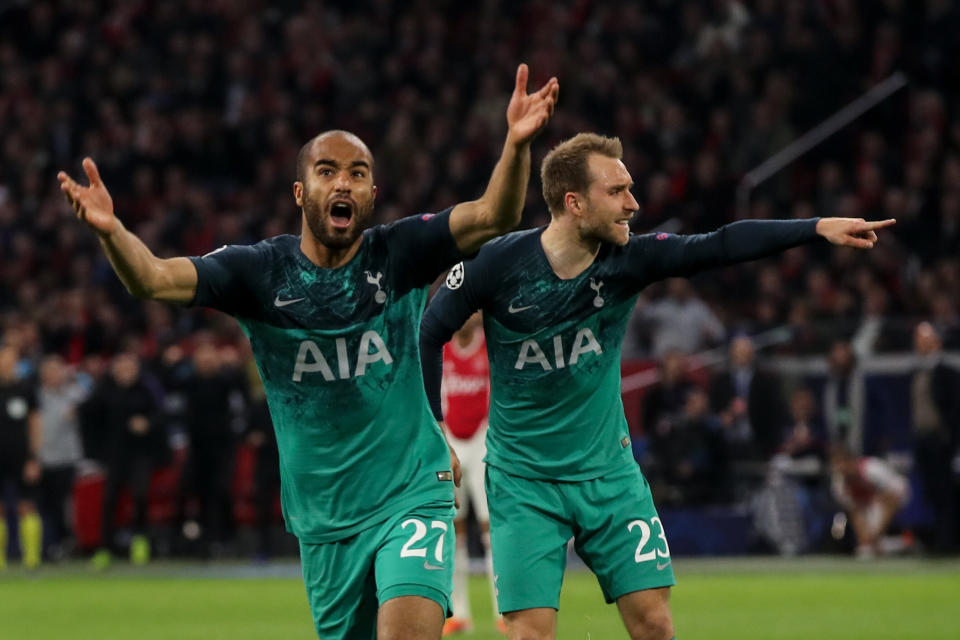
<point>555,303</point>
<point>333,317</point>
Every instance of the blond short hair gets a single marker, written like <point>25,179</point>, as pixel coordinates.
<point>565,167</point>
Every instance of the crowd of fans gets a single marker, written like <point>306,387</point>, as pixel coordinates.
<point>750,434</point>
<point>195,112</point>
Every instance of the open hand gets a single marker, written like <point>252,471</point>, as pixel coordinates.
<point>852,232</point>
<point>93,204</point>
<point>527,114</point>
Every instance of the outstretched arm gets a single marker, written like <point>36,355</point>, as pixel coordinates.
<point>142,273</point>
<point>498,209</point>
<point>663,255</point>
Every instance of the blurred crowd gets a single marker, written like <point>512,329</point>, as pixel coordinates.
<point>195,111</point>
<point>796,448</point>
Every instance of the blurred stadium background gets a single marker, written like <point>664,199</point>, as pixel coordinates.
<point>734,382</point>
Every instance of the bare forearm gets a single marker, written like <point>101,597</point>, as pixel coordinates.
<point>131,260</point>
<point>144,274</point>
<point>507,189</point>
<point>499,208</point>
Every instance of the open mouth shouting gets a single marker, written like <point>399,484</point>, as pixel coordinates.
<point>342,211</point>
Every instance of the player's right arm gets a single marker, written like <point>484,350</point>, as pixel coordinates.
<point>142,273</point>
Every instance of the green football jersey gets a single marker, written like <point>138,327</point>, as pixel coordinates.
<point>554,345</point>
<point>337,351</point>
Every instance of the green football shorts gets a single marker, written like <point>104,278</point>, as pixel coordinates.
<point>408,555</point>
<point>612,519</point>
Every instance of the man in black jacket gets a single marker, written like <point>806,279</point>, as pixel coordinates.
<point>20,435</point>
<point>123,413</point>
<point>214,399</point>
<point>749,402</point>
<point>933,402</point>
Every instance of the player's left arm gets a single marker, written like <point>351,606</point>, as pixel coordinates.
<point>443,317</point>
<point>498,210</point>
<point>664,255</point>
<point>455,301</point>
<point>460,296</point>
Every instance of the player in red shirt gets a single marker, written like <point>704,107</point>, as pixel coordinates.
<point>872,492</point>
<point>465,396</point>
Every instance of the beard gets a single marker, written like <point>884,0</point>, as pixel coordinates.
<point>603,232</point>
<point>334,238</point>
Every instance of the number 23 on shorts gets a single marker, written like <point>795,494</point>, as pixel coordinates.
<point>658,552</point>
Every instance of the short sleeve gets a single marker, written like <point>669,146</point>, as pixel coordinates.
<point>225,278</point>
<point>422,247</point>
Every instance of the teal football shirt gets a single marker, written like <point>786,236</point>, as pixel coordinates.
<point>554,345</point>
<point>337,350</point>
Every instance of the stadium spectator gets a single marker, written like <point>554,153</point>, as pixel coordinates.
<point>799,465</point>
<point>749,402</point>
<point>214,403</point>
<point>122,417</point>
<point>20,437</point>
<point>933,402</point>
<point>843,398</point>
<point>61,393</point>
<point>266,479</point>
<point>665,401</point>
<point>804,435</point>
<point>680,321</point>
<point>875,331</point>
<point>689,456</point>
<point>872,493</point>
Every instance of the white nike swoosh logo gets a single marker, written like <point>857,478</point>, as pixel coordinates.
<point>661,567</point>
<point>282,303</point>
<point>431,567</point>
<point>513,309</point>
<point>207,255</point>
